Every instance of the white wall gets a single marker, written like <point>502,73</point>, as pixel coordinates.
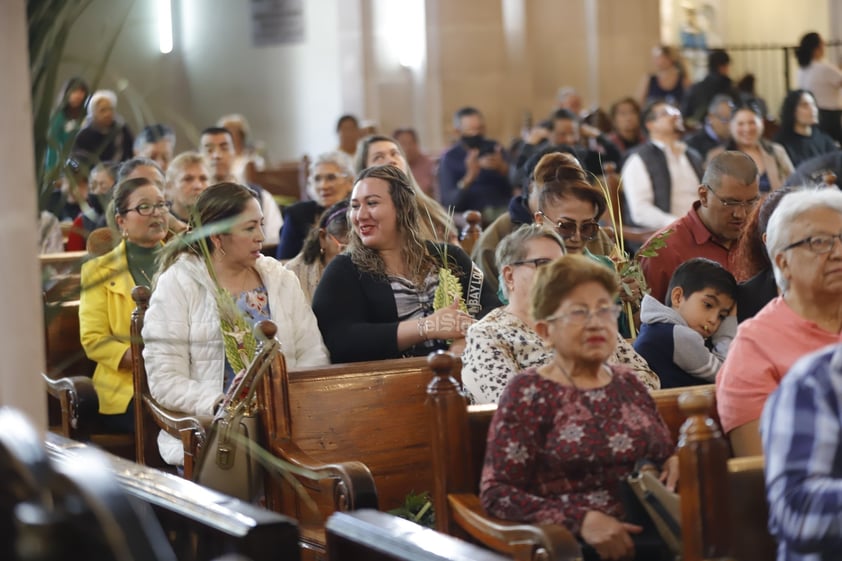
<point>291,94</point>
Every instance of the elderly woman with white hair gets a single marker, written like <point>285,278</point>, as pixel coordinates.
<point>803,240</point>
<point>104,133</point>
<point>330,181</point>
<point>504,342</point>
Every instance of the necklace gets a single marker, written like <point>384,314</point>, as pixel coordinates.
<point>569,378</point>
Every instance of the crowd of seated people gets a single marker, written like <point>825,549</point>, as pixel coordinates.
<point>370,268</point>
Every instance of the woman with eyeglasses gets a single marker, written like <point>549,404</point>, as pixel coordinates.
<point>321,246</point>
<point>773,164</point>
<point>105,305</point>
<point>214,286</point>
<point>566,432</point>
<point>505,342</point>
<point>329,182</point>
<point>803,240</point>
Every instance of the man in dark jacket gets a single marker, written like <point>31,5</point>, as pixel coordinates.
<point>717,81</point>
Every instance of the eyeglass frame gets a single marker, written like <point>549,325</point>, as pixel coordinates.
<point>538,262</point>
<point>557,226</point>
<point>809,242</point>
<point>329,177</point>
<point>746,205</point>
<point>165,206</point>
<point>615,310</point>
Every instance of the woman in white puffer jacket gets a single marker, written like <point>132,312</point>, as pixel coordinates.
<point>186,362</point>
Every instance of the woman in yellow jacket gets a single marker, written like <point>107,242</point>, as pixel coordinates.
<point>106,304</point>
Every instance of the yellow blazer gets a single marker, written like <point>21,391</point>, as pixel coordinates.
<point>105,310</point>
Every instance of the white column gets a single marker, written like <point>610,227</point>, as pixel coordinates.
<point>21,322</point>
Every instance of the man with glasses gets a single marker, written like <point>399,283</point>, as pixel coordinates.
<point>716,130</point>
<point>712,227</point>
<point>660,179</point>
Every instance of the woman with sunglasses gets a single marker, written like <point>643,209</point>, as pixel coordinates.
<point>572,207</point>
<point>505,342</point>
<point>557,179</point>
<point>323,243</point>
<point>567,431</point>
<point>105,304</point>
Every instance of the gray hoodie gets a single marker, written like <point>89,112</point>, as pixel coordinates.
<point>689,350</point>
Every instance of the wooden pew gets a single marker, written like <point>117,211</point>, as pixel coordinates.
<point>200,524</point>
<point>287,180</point>
<point>460,433</point>
<point>149,415</point>
<point>459,437</point>
<point>357,426</point>
<point>62,344</point>
<point>472,230</point>
<point>724,512</point>
<point>377,536</point>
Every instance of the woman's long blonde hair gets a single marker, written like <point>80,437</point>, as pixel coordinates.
<point>435,223</point>
<point>414,250</point>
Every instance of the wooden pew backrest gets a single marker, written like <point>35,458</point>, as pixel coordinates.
<point>724,512</point>
<point>350,422</point>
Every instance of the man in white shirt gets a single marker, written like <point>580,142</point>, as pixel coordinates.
<point>661,178</point>
<point>217,146</point>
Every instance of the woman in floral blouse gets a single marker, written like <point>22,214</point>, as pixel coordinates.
<point>567,432</point>
<point>504,342</point>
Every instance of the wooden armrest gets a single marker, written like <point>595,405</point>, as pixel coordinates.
<point>354,488</point>
<point>176,423</point>
<point>522,541</point>
<point>79,403</point>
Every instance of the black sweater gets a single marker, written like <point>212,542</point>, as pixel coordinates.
<point>358,316</point>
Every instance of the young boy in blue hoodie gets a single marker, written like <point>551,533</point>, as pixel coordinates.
<point>686,340</point>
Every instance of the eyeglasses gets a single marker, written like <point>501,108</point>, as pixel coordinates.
<point>342,245</point>
<point>568,229</point>
<point>145,209</point>
<point>329,177</point>
<point>537,262</point>
<point>581,316</point>
<point>749,204</point>
<point>817,244</point>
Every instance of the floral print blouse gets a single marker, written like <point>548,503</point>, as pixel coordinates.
<point>555,452</point>
<point>254,304</point>
<point>501,345</point>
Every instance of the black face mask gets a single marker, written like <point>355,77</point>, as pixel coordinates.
<point>99,202</point>
<point>474,141</point>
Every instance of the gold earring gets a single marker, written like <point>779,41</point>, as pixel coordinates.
<point>125,234</point>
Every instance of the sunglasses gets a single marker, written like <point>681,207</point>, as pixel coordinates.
<point>568,229</point>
